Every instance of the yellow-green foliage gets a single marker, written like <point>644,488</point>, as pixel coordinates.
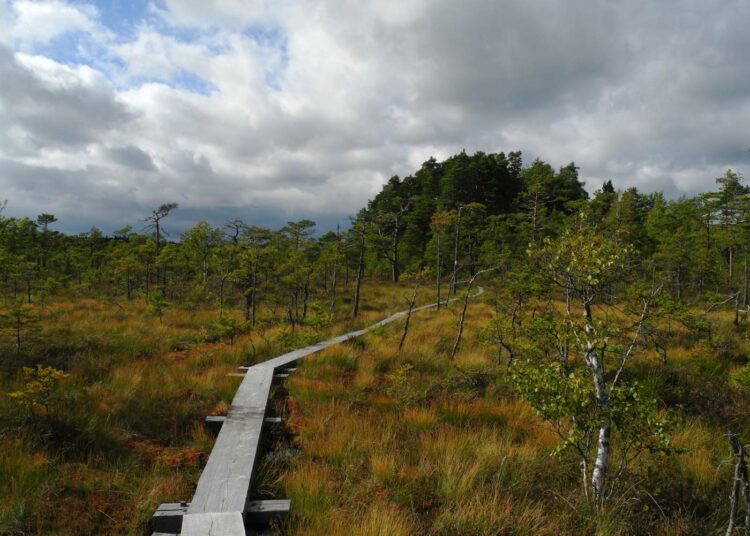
<point>39,387</point>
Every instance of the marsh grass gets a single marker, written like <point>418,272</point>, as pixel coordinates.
<point>441,447</point>
<point>382,442</point>
<point>126,433</point>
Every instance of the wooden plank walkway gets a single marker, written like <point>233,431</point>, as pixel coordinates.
<point>221,497</point>
<point>225,481</point>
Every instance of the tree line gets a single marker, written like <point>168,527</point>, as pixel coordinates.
<point>447,220</point>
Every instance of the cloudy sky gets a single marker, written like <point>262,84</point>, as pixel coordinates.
<point>271,110</point>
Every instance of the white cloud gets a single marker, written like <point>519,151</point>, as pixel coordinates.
<point>42,21</point>
<point>309,106</point>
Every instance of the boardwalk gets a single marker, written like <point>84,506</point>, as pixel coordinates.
<point>221,502</point>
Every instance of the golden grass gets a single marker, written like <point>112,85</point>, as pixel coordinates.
<point>135,401</point>
<point>456,461</point>
<point>380,455</point>
<point>427,458</point>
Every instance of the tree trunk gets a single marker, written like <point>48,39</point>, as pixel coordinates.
<point>599,474</point>
<point>332,306</point>
<point>462,318</point>
<point>253,300</point>
<point>455,254</point>
<point>596,367</point>
<point>305,296</point>
<point>221,296</point>
<point>744,287</point>
<point>158,240</point>
<point>733,500</point>
<point>394,255</point>
<point>739,484</point>
<point>148,280</point>
<point>437,270</point>
<point>737,308</point>
<point>408,317</point>
<point>295,303</point>
<point>18,332</point>
<point>360,270</point>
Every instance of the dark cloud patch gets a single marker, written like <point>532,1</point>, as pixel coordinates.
<point>40,182</point>
<point>132,157</point>
<point>56,106</point>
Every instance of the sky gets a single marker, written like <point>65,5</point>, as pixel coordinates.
<point>277,110</point>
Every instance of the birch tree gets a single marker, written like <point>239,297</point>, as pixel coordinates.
<point>585,265</point>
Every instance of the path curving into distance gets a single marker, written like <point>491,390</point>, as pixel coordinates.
<point>221,499</point>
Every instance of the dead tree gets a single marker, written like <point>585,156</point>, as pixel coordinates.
<point>462,318</point>
<point>334,275</point>
<point>740,484</point>
<point>439,224</point>
<point>234,229</point>
<point>155,224</point>
<point>360,270</point>
<point>732,297</point>
<point>437,277</point>
<point>412,303</point>
<point>455,252</point>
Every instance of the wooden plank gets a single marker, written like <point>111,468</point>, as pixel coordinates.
<point>261,513</point>
<point>213,524</point>
<point>268,505</point>
<point>168,518</point>
<point>167,507</point>
<point>214,423</point>
<point>225,482</point>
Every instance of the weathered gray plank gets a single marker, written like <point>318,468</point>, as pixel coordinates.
<point>225,482</point>
<point>268,505</point>
<point>262,513</point>
<point>213,524</point>
<point>214,423</point>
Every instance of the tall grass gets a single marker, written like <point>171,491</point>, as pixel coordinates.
<point>125,433</point>
<point>441,447</point>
